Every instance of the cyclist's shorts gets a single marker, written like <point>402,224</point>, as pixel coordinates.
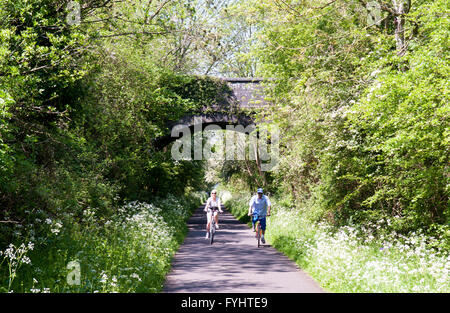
<point>262,220</point>
<point>213,209</point>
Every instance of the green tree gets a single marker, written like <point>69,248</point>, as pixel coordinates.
<point>363,107</point>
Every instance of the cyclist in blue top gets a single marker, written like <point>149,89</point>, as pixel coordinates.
<point>259,208</point>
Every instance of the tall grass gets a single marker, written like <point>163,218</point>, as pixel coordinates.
<point>129,252</point>
<point>357,258</point>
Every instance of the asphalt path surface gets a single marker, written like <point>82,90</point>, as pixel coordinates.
<point>233,263</point>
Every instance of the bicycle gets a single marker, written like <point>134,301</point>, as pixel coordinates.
<point>212,227</point>
<point>258,230</point>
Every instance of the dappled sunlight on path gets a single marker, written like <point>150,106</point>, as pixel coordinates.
<point>233,263</point>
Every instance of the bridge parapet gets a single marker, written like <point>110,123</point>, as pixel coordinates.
<point>248,92</point>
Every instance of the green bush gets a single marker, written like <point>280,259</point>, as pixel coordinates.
<point>238,206</point>
<point>129,252</point>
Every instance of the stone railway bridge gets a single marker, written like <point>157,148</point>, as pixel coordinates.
<point>246,97</point>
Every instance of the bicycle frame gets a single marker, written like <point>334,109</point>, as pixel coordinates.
<point>212,228</point>
<point>258,230</point>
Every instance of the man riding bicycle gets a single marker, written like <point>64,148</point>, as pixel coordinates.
<point>259,208</point>
<point>211,208</point>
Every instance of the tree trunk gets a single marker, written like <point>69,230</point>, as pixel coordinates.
<point>401,7</point>
<point>258,163</point>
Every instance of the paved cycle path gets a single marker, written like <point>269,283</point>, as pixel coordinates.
<point>233,263</point>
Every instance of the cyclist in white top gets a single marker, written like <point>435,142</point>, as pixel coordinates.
<point>212,207</point>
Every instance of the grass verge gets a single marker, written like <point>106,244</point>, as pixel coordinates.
<point>129,252</point>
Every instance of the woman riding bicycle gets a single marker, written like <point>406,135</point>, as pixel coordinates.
<point>212,207</point>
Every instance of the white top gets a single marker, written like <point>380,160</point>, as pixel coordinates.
<point>211,203</point>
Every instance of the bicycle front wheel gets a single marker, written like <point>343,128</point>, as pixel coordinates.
<point>258,232</point>
<point>211,234</point>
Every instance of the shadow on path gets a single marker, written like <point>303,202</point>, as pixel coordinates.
<point>233,263</point>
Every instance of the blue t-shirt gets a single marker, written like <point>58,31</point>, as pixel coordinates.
<point>259,206</point>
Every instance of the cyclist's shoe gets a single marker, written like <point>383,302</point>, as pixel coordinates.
<point>217,226</point>
<point>207,235</point>
<point>263,240</point>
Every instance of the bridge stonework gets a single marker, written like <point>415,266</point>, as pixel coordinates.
<point>248,92</point>
<point>247,96</point>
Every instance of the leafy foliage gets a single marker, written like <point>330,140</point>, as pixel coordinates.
<point>128,252</point>
<point>364,121</point>
<point>80,109</point>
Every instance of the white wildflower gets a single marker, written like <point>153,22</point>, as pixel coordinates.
<point>26,260</point>
<point>104,278</point>
<point>136,276</point>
